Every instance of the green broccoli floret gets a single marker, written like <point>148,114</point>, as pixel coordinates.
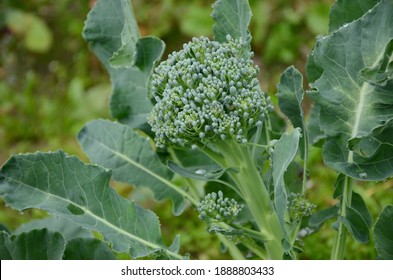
<point>216,206</point>
<point>299,206</point>
<point>208,90</point>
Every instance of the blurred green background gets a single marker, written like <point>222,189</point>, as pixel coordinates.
<point>51,84</point>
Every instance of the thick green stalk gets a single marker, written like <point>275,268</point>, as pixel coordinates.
<point>338,251</point>
<point>254,192</point>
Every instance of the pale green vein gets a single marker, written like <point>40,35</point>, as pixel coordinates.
<point>148,171</point>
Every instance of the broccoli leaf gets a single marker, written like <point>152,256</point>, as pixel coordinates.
<point>350,106</point>
<point>383,234</point>
<point>290,97</point>
<point>315,134</point>
<point>125,55</point>
<point>64,186</point>
<point>130,157</point>
<point>231,17</point>
<point>284,152</point>
<point>38,244</point>
<point>342,12</point>
<point>113,34</point>
<point>356,225</point>
<point>322,216</point>
<point>360,206</point>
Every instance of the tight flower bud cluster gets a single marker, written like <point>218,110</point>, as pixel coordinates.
<point>215,206</point>
<point>206,91</point>
<point>299,206</point>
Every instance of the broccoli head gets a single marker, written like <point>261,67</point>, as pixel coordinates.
<point>207,91</point>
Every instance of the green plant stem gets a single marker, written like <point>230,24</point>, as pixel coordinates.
<point>338,251</point>
<point>268,129</point>
<point>250,232</point>
<point>254,192</point>
<point>305,158</point>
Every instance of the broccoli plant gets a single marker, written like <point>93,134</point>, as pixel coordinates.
<point>198,130</point>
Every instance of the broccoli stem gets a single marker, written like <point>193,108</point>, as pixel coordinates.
<point>338,251</point>
<point>253,190</point>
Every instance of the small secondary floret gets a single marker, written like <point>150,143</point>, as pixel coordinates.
<point>207,91</point>
<point>216,206</point>
<point>299,206</point>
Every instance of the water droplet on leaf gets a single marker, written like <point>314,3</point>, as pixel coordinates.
<point>363,175</point>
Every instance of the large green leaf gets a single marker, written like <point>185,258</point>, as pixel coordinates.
<point>284,152</point>
<point>131,159</point>
<point>38,244</point>
<point>64,186</point>
<point>346,11</point>
<point>383,232</point>
<point>113,34</point>
<point>342,12</point>
<point>350,106</point>
<point>290,98</point>
<point>87,249</point>
<point>231,17</point>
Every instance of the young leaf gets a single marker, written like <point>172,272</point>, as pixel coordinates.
<point>371,146</point>
<point>125,55</point>
<point>360,206</point>
<point>346,11</point>
<point>38,244</point>
<point>231,17</point>
<point>322,216</point>
<point>68,229</point>
<point>382,72</point>
<point>351,107</point>
<point>64,186</point>
<point>87,249</point>
<point>284,151</point>
<point>290,98</point>
<point>131,159</point>
<point>108,23</point>
<point>104,26</point>
<point>339,186</point>
<point>356,225</point>
<point>148,51</point>
<point>383,234</point>
<point>315,134</point>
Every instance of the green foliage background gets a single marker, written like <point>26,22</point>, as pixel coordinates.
<point>51,85</point>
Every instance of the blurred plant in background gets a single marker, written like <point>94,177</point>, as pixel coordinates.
<point>50,85</point>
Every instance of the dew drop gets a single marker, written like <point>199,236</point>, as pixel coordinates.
<point>201,171</point>
<point>363,175</point>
